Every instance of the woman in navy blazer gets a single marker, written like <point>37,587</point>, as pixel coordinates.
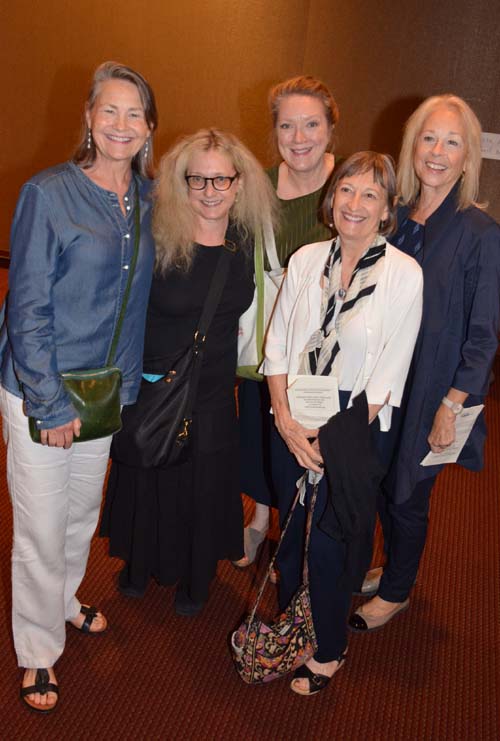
<point>458,246</point>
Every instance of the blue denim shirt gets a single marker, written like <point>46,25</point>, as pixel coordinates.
<point>71,248</point>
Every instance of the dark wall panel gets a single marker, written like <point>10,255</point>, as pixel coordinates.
<point>382,58</point>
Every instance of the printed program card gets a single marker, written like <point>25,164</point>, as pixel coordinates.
<point>463,426</point>
<point>313,399</point>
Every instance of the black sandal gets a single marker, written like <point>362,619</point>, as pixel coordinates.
<point>90,613</point>
<point>41,686</point>
<point>317,682</point>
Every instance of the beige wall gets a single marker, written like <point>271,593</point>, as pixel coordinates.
<point>212,61</point>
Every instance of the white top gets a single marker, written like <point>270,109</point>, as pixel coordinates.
<point>352,342</point>
<point>390,320</point>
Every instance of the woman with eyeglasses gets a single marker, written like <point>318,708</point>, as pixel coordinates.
<point>304,115</point>
<point>176,522</point>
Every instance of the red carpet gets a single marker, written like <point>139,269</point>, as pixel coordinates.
<point>432,674</point>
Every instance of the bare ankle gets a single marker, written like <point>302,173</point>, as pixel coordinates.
<point>260,519</point>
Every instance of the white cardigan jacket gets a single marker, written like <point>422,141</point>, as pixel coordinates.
<point>392,317</point>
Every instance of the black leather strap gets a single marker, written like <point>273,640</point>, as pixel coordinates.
<point>90,613</point>
<point>212,300</point>
<point>41,686</point>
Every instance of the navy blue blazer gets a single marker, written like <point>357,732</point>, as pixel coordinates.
<point>458,337</point>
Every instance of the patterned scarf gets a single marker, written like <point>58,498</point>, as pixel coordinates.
<point>322,354</point>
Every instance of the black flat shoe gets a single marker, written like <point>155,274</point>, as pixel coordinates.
<point>360,623</point>
<point>317,682</point>
<point>42,686</point>
<point>126,588</point>
<point>184,605</point>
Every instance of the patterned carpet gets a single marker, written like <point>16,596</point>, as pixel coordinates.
<point>433,674</point>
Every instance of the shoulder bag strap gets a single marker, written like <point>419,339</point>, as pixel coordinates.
<point>212,300</point>
<point>305,573</point>
<point>270,245</point>
<point>214,294</point>
<point>305,568</point>
<point>133,262</point>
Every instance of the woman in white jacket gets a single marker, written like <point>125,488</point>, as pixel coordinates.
<point>349,309</point>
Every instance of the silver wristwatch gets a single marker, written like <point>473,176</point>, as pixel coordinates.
<point>455,407</point>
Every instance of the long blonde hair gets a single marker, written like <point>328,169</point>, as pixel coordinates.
<point>173,219</point>
<point>408,182</point>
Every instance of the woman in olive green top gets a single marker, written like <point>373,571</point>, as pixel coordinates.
<point>304,114</point>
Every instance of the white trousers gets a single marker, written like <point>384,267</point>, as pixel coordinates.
<point>56,496</point>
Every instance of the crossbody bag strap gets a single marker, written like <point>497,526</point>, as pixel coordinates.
<point>214,293</point>
<point>212,300</point>
<point>305,573</point>
<point>131,271</point>
<point>305,568</point>
<point>259,287</point>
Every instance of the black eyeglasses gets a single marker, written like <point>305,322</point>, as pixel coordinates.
<point>220,182</point>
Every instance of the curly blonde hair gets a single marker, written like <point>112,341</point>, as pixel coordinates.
<point>173,222</point>
<point>408,182</point>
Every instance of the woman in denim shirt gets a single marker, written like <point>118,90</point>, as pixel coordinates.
<point>71,245</point>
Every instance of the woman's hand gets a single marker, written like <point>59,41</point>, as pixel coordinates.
<point>294,435</point>
<point>297,440</point>
<point>62,436</point>
<point>442,434</point>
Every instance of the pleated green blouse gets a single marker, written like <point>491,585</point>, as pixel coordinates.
<point>301,220</point>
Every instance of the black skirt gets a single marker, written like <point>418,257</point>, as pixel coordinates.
<point>176,523</point>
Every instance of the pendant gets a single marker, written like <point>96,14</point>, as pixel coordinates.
<point>341,293</point>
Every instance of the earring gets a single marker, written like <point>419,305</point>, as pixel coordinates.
<point>89,139</point>
<point>146,149</point>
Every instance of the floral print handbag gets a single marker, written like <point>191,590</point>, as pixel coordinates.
<point>263,652</point>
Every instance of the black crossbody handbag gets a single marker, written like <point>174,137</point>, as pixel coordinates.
<point>157,428</point>
<point>95,392</point>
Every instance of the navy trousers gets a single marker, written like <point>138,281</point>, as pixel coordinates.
<point>255,430</point>
<point>329,601</point>
<point>330,594</point>
<point>404,526</point>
